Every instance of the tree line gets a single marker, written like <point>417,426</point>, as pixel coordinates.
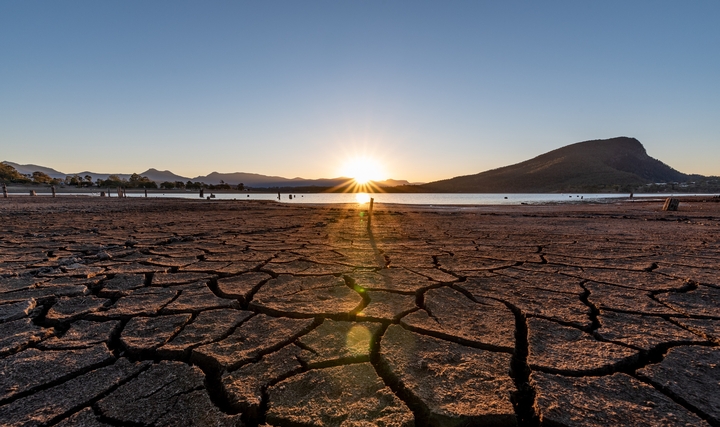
<point>10,175</point>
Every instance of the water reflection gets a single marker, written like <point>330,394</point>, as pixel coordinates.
<point>362,198</point>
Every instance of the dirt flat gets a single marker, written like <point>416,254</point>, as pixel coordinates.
<point>157,312</point>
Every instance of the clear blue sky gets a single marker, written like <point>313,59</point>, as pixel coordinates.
<point>431,89</point>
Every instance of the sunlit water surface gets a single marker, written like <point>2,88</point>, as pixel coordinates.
<point>405,199</point>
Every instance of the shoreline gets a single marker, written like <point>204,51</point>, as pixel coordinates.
<point>643,207</point>
<point>643,199</point>
<point>45,189</point>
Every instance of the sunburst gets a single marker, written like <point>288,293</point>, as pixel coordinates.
<point>362,172</point>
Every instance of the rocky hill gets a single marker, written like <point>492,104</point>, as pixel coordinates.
<point>599,165</point>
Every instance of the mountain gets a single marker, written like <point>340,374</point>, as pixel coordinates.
<point>394,183</point>
<point>52,173</point>
<point>152,174</point>
<point>598,165</point>
<point>162,176</point>
<point>29,169</point>
<point>95,175</point>
<point>252,180</point>
<point>249,179</point>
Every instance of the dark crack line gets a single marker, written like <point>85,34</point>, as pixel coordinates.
<point>264,351</point>
<point>419,409</point>
<point>459,340</point>
<point>60,380</point>
<point>91,403</point>
<point>677,399</point>
<point>594,311</point>
<point>250,295</point>
<point>523,399</point>
<point>187,352</point>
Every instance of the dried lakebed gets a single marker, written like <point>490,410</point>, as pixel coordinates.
<point>178,312</point>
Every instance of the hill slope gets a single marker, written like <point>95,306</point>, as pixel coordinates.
<point>585,166</point>
<point>29,169</point>
<point>162,176</point>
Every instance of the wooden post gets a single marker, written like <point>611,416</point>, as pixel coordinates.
<point>32,193</point>
<point>119,192</point>
<point>102,194</point>
<point>52,187</point>
<point>146,192</point>
<point>5,193</point>
<point>202,193</point>
<point>370,209</point>
<point>671,204</point>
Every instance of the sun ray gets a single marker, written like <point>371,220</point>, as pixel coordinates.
<point>352,186</point>
<point>363,169</point>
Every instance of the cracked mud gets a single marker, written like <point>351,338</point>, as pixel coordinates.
<point>181,312</point>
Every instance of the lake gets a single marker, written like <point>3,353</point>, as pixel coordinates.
<point>405,199</point>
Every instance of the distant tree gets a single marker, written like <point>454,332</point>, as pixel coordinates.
<point>113,181</point>
<point>41,178</point>
<point>73,180</point>
<point>167,185</point>
<point>221,186</point>
<point>194,185</point>
<point>241,186</point>
<point>9,174</point>
<point>88,180</point>
<point>179,184</point>
<point>137,181</point>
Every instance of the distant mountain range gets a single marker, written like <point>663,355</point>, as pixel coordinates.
<point>619,164</point>
<point>248,179</point>
<point>604,165</point>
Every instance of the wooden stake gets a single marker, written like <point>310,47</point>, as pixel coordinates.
<point>370,212</point>
<point>671,204</point>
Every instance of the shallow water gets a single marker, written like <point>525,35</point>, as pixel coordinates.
<point>393,198</point>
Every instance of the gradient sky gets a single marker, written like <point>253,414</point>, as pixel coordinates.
<point>431,89</point>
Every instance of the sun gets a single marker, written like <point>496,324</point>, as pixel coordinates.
<point>363,170</point>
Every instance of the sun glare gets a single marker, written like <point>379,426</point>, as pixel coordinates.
<point>362,198</point>
<point>363,169</point>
